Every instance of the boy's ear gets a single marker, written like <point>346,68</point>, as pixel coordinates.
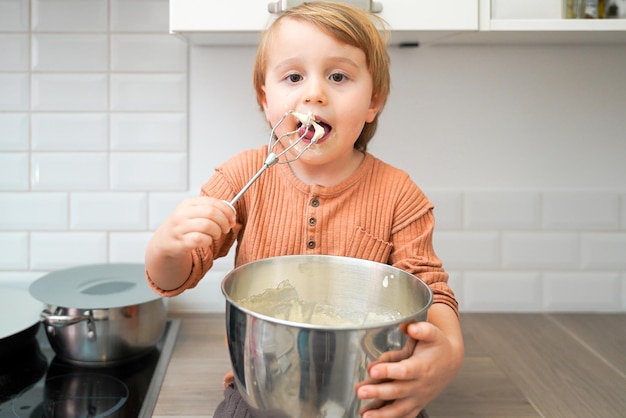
<point>263,102</point>
<point>373,109</point>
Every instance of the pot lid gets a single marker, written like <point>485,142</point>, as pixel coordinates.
<point>19,311</point>
<point>97,286</point>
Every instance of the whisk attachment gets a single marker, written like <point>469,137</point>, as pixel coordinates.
<point>307,121</point>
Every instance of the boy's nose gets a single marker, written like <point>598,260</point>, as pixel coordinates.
<point>315,93</point>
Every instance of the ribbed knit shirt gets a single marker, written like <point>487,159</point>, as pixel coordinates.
<point>378,214</point>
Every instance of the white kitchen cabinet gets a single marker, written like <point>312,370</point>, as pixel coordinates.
<point>541,21</point>
<point>228,22</point>
<point>239,22</point>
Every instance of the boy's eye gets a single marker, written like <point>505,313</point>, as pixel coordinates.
<point>337,77</point>
<point>294,78</point>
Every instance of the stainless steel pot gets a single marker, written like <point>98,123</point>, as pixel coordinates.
<point>287,368</point>
<point>99,315</point>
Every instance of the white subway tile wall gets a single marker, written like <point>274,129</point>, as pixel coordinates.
<point>623,205</point>
<point>70,53</point>
<point>69,171</point>
<point>139,16</point>
<point>540,250</point>
<point>469,249</point>
<point>581,291</point>
<point>160,205</point>
<point>594,211</point>
<point>109,211</point>
<point>603,251</point>
<point>529,197</point>
<point>19,279</point>
<point>503,290</point>
<point>69,15</point>
<point>59,250</point>
<point>513,210</point>
<point>69,92</point>
<point>449,209</point>
<point>14,129</point>
<point>623,293</point>
<point>15,90</point>
<point>127,247</point>
<point>107,122</point>
<point>14,171</point>
<point>148,132</point>
<point>14,15</point>
<point>154,171</point>
<point>93,125</point>
<point>14,52</point>
<point>34,211</point>
<point>147,53</point>
<point>151,92</point>
<point>69,132</point>
<point>14,254</point>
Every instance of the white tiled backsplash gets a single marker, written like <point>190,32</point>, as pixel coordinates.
<point>107,122</point>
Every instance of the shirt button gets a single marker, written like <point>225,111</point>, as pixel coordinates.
<point>311,245</point>
<point>312,221</point>
<point>315,202</point>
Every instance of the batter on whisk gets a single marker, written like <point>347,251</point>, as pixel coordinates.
<point>327,61</point>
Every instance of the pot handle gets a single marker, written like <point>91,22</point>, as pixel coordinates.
<point>59,321</point>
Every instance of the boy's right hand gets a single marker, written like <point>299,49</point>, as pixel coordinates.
<point>195,222</point>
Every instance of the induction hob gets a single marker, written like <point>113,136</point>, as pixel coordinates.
<point>43,385</point>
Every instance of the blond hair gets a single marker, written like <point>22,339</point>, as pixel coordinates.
<point>346,24</point>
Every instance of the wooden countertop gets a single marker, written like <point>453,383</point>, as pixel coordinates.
<point>516,366</point>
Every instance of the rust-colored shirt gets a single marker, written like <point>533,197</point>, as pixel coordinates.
<point>377,214</point>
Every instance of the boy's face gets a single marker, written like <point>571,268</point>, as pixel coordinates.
<point>309,71</point>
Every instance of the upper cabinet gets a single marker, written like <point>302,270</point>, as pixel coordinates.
<point>541,21</point>
<point>239,22</point>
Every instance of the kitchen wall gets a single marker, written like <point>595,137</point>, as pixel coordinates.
<point>106,122</point>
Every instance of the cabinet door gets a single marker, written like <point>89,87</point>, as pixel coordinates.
<point>431,15</point>
<point>218,15</point>
<point>240,21</point>
<point>542,15</point>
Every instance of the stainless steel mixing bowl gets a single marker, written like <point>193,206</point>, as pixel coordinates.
<point>286,368</point>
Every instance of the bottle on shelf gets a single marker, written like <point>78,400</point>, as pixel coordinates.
<point>570,9</point>
<point>584,9</point>
<point>615,9</point>
<point>590,9</point>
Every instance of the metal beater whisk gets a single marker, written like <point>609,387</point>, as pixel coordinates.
<point>273,158</point>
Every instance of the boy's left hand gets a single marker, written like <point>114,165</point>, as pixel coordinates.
<point>404,388</point>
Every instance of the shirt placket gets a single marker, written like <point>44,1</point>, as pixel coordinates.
<point>313,233</point>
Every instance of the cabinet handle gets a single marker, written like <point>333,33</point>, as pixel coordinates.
<point>282,5</point>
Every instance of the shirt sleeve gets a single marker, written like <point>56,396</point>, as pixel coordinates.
<point>413,250</point>
<point>203,257</point>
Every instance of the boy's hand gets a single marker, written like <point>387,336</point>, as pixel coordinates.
<point>195,222</point>
<point>405,387</point>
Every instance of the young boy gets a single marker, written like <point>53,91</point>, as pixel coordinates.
<point>331,60</point>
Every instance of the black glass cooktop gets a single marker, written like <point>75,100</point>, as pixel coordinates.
<point>39,384</point>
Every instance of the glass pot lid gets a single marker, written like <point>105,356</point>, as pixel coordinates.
<point>97,286</point>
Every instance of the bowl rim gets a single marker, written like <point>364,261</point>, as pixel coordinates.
<point>230,302</point>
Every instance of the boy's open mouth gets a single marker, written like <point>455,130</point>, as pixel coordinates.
<point>310,133</point>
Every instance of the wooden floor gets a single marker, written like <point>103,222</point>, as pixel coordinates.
<point>516,366</point>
